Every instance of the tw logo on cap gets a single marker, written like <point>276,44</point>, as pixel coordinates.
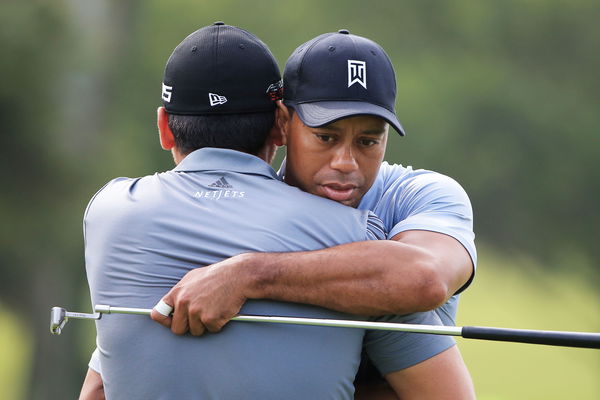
<point>357,73</point>
<point>215,99</point>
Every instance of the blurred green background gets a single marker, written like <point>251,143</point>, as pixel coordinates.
<point>502,96</point>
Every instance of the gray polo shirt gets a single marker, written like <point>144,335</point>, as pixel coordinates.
<point>142,235</point>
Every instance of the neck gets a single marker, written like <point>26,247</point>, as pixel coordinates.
<point>177,155</point>
<point>267,153</point>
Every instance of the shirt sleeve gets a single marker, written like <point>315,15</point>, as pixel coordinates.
<point>434,202</point>
<point>375,227</point>
<point>94,363</point>
<point>393,350</point>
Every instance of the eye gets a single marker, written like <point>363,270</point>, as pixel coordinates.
<point>368,142</point>
<point>325,138</point>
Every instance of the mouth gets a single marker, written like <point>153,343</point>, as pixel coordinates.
<point>339,192</point>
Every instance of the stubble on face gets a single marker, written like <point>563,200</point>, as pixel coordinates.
<point>338,161</point>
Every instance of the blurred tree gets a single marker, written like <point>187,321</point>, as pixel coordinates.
<point>504,98</point>
<point>53,112</point>
<point>35,180</point>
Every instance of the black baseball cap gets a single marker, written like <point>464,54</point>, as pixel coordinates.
<point>221,69</point>
<point>339,75</point>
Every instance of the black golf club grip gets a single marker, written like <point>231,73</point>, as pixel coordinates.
<point>568,339</point>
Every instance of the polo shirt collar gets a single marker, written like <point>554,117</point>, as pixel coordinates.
<point>212,159</point>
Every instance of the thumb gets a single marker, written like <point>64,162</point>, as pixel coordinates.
<point>161,312</point>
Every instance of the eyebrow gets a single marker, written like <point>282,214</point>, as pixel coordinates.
<point>379,132</point>
<point>329,127</point>
<point>333,128</point>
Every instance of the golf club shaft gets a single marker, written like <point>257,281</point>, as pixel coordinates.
<point>552,338</point>
<point>434,329</point>
<point>104,309</point>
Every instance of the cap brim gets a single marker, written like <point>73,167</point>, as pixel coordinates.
<point>325,112</point>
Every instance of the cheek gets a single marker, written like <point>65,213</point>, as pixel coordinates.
<point>370,168</point>
<point>306,170</point>
<point>300,169</point>
<point>305,159</point>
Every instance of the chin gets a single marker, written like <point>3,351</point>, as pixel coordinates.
<point>350,203</point>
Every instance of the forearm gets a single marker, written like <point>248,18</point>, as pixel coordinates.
<point>368,278</point>
<point>93,387</point>
<point>416,271</point>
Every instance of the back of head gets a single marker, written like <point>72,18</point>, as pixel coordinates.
<point>339,75</point>
<point>219,88</point>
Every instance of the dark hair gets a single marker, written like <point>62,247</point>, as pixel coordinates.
<point>242,132</point>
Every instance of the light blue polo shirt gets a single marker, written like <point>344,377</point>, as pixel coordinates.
<point>407,199</point>
<point>142,235</point>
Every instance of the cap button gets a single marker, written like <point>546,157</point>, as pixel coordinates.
<point>344,31</point>
<point>219,23</point>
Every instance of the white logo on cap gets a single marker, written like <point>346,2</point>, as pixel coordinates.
<point>166,93</point>
<point>215,99</point>
<point>357,73</point>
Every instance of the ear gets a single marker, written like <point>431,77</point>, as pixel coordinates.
<point>282,121</point>
<point>167,140</point>
<point>275,132</point>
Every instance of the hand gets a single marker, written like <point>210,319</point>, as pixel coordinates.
<point>205,298</point>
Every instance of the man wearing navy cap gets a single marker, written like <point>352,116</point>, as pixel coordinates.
<point>339,94</point>
<point>142,235</point>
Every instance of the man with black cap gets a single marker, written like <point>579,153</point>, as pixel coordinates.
<point>339,95</point>
<point>142,235</point>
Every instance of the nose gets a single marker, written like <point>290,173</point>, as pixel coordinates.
<point>343,160</point>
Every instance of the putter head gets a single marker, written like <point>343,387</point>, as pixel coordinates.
<point>58,319</point>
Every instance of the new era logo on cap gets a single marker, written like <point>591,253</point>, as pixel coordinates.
<point>215,99</point>
<point>357,73</point>
<point>223,59</point>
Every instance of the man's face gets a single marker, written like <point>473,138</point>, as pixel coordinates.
<point>338,161</point>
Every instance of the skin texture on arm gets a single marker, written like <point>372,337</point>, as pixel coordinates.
<point>443,377</point>
<point>416,271</point>
<point>93,387</point>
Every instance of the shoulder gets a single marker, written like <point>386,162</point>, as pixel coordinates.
<point>322,214</point>
<point>108,187</point>
<point>421,185</point>
<point>116,191</point>
<point>304,201</point>
<point>394,174</point>
<point>112,186</point>
<point>401,192</point>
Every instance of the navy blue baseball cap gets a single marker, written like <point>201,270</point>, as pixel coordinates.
<point>339,75</point>
<point>221,69</point>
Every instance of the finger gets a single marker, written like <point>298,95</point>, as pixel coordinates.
<point>197,328</point>
<point>215,325</point>
<point>163,308</point>
<point>179,325</point>
<point>161,313</point>
<point>161,319</point>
